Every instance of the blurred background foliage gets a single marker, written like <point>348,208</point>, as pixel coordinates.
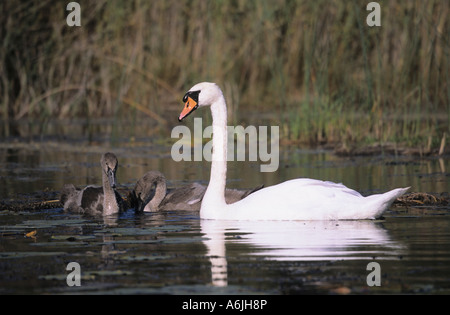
<point>315,68</point>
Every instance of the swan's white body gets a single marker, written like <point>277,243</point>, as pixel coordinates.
<point>297,199</point>
<point>304,199</point>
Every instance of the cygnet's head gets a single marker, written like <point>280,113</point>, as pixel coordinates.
<point>109,165</point>
<point>146,198</point>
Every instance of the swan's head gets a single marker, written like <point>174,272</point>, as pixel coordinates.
<point>201,94</point>
<point>109,166</point>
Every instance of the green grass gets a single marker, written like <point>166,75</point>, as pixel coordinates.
<point>325,75</point>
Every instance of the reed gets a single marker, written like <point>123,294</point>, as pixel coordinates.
<point>325,74</point>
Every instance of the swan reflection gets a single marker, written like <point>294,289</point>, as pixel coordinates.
<point>297,241</point>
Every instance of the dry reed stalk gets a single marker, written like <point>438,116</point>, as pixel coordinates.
<point>316,65</point>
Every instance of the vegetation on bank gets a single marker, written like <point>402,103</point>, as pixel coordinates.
<point>321,72</point>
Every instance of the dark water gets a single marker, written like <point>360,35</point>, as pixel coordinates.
<point>177,253</point>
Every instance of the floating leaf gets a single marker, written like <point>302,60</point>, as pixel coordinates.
<point>31,234</point>
<point>130,242</point>
<point>128,231</point>
<point>29,254</point>
<point>145,257</point>
<point>341,290</point>
<point>64,277</point>
<point>46,223</point>
<point>72,238</point>
<point>109,273</point>
<point>62,243</point>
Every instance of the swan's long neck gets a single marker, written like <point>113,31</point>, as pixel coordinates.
<point>160,193</point>
<point>110,205</point>
<point>215,193</point>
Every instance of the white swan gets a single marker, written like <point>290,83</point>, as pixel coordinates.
<point>297,199</point>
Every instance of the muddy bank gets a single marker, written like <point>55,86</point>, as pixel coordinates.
<point>389,149</point>
<point>41,200</point>
<point>35,201</point>
<point>417,198</point>
<point>95,137</point>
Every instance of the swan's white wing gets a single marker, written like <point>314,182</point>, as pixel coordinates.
<point>308,199</point>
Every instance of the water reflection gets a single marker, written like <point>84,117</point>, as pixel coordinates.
<point>26,168</point>
<point>296,240</point>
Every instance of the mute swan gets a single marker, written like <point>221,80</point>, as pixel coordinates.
<point>94,200</point>
<point>188,197</point>
<point>296,199</point>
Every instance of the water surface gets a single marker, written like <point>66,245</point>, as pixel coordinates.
<point>177,253</point>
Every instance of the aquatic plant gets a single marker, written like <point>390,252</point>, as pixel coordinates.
<point>330,77</point>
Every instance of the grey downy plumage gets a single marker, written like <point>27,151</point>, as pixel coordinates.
<point>150,194</point>
<point>95,200</point>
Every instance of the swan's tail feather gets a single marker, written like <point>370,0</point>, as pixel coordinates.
<point>380,203</point>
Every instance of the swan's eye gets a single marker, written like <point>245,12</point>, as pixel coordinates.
<point>191,94</point>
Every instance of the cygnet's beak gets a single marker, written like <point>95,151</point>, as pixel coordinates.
<point>111,178</point>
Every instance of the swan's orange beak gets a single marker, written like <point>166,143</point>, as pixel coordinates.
<point>189,107</point>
